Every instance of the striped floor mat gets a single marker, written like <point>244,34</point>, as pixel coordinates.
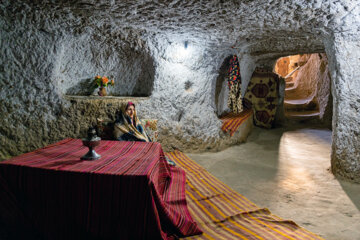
<point>223,213</point>
<point>232,121</point>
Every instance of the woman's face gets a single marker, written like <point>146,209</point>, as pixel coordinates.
<point>130,111</point>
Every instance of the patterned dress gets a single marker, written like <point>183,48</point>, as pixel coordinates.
<point>234,82</point>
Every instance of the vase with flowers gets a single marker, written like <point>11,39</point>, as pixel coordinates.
<point>102,83</point>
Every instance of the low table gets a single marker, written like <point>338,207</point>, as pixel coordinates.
<point>130,193</point>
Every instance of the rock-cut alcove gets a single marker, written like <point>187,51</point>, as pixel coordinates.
<point>221,88</point>
<point>84,57</point>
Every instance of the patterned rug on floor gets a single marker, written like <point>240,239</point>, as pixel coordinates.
<point>232,121</point>
<point>222,213</point>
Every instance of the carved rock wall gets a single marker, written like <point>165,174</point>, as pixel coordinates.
<point>323,91</point>
<point>51,48</point>
<point>343,53</point>
<point>306,78</point>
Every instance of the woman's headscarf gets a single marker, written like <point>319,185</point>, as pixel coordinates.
<point>124,126</point>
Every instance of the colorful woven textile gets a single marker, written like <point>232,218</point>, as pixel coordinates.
<point>151,129</point>
<point>234,71</point>
<point>232,121</point>
<point>223,213</point>
<point>262,96</point>
<point>130,193</point>
<point>234,83</point>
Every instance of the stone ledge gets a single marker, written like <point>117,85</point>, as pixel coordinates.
<point>105,98</point>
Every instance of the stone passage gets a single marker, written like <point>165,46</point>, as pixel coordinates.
<point>307,92</point>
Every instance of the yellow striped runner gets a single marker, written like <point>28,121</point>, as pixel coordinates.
<point>232,121</point>
<point>223,213</point>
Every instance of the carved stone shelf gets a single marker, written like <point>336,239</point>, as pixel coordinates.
<point>105,98</point>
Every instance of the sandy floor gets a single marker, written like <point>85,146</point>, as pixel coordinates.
<point>287,171</point>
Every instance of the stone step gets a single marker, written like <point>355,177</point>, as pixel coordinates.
<point>300,104</point>
<point>289,85</point>
<point>288,79</point>
<point>290,88</point>
<point>294,93</point>
<point>303,115</point>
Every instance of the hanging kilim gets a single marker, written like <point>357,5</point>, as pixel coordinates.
<point>262,96</point>
<point>234,81</point>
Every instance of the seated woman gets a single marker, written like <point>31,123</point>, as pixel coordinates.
<point>127,126</point>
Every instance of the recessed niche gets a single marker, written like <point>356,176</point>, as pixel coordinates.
<point>221,85</point>
<point>188,84</point>
<point>133,71</point>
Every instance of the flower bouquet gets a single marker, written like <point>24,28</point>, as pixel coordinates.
<point>102,83</point>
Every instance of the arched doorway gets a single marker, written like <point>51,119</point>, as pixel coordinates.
<point>307,96</point>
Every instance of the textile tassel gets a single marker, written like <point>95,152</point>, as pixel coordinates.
<point>234,83</point>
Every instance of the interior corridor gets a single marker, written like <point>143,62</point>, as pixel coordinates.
<point>287,171</point>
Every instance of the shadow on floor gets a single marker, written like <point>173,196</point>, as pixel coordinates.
<point>352,190</point>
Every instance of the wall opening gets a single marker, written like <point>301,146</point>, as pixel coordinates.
<point>79,62</point>
<point>221,88</point>
<point>307,96</point>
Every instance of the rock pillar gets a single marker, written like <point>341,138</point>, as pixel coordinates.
<point>344,59</point>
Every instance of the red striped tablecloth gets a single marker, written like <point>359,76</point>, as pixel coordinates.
<point>130,193</point>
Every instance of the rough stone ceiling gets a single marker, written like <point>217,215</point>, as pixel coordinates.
<point>251,26</point>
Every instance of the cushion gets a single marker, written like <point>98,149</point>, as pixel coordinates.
<point>150,126</point>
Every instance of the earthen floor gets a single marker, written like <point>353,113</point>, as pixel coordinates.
<point>288,171</point>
